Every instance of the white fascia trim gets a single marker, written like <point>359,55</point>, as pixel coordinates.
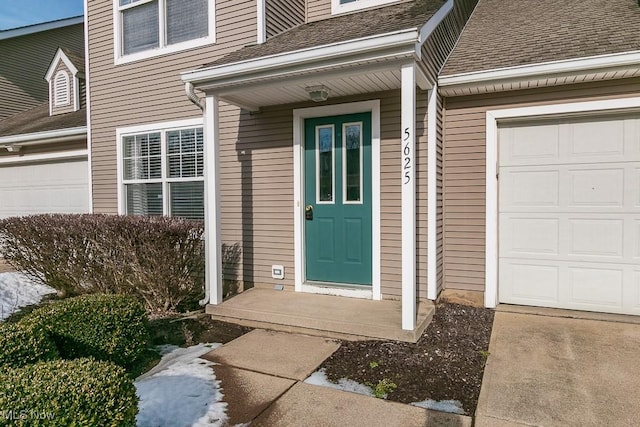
<point>493,118</point>
<point>37,28</point>
<point>265,65</point>
<point>28,158</point>
<point>262,22</point>
<point>47,136</point>
<point>432,195</point>
<point>60,56</point>
<point>88,103</point>
<point>547,68</point>
<point>299,115</point>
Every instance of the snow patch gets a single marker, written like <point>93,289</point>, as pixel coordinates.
<point>181,391</point>
<point>451,406</point>
<point>17,290</point>
<point>320,378</point>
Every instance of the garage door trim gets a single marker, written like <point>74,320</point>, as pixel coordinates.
<point>493,117</point>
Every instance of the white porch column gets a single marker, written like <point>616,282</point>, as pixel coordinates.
<point>408,120</point>
<point>213,245</point>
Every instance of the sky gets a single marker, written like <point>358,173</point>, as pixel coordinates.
<point>14,14</point>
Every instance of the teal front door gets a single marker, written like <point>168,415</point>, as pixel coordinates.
<point>338,199</point>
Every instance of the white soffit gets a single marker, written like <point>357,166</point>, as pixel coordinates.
<point>597,68</point>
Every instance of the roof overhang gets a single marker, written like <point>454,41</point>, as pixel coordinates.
<point>580,70</point>
<point>15,142</point>
<point>37,28</point>
<point>366,64</point>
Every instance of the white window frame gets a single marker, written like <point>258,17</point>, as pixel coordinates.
<point>162,128</point>
<point>333,165</point>
<point>337,7</point>
<point>57,102</point>
<point>344,164</point>
<point>163,49</point>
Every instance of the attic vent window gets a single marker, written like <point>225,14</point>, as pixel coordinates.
<point>61,90</point>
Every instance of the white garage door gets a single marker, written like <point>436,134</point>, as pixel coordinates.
<point>569,225</point>
<point>54,187</point>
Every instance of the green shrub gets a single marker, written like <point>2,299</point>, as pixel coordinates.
<point>159,260</point>
<point>22,344</point>
<point>106,327</point>
<point>81,392</point>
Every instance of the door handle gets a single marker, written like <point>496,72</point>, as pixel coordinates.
<point>308,213</point>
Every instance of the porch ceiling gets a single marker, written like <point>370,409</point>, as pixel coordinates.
<point>292,90</point>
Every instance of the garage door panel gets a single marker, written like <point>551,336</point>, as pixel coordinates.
<point>596,187</point>
<point>596,237</point>
<point>53,187</point>
<point>569,224</point>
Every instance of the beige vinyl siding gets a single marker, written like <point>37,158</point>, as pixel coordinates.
<point>147,91</point>
<point>24,63</point>
<point>70,107</point>
<point>464,166</point>
<point>318,10</point>
<point>83,93</point>
<point>283,15</point>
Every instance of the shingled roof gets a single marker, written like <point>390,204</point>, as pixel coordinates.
<point>341,28</point>
<point>38,119</point>
<point>508,33</point>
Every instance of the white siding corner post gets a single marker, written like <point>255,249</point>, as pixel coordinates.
<point>408,167</point>
<point>432,194</point>
<point>213,245</point>
<point>262,21</point>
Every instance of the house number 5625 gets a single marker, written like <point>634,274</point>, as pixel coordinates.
<point>407,160</point>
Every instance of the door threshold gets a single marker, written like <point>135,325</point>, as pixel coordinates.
<point>338,289</point>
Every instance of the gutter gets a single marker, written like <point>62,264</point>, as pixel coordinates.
<point>68,134</point>
<point>594,63</point>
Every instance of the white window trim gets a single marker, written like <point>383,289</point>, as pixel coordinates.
<point>492,121</point>
<point>120,58</point>
<point>344,164</point>
<point>337,8</point>
<point>161,127</point>
<point>56,101</point>
<point>299,115</point>
<point>333,165</point>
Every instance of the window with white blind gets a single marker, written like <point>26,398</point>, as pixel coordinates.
<point>147,28</point>
<point>162,173</point>
<point>61,89</point>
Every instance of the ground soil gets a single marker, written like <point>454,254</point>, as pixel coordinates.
<point>186,330</point>
<point>447,362</point>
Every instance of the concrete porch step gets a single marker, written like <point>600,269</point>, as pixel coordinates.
<point>321,315</point>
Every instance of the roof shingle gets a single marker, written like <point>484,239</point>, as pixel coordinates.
<point>341,28</point>
<point>508,33</point>
<point>38,119</point>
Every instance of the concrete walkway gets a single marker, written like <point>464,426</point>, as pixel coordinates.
<point>262,373</point>
<point>552,371</point>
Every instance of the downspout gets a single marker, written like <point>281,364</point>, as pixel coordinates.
<point>191,94</point>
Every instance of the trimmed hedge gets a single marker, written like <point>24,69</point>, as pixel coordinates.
<point>106,327</point>
<point>22,344</point>
<point>81,392</point>
<point>159,260</point>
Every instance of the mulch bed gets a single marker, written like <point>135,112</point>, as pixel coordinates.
<point>447,363</point>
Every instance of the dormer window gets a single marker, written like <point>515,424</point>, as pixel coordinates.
<point>61,89</point>
<point>146,28</point>
<point>343,6</point>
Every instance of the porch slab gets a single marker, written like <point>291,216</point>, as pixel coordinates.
<point>322,315</point>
